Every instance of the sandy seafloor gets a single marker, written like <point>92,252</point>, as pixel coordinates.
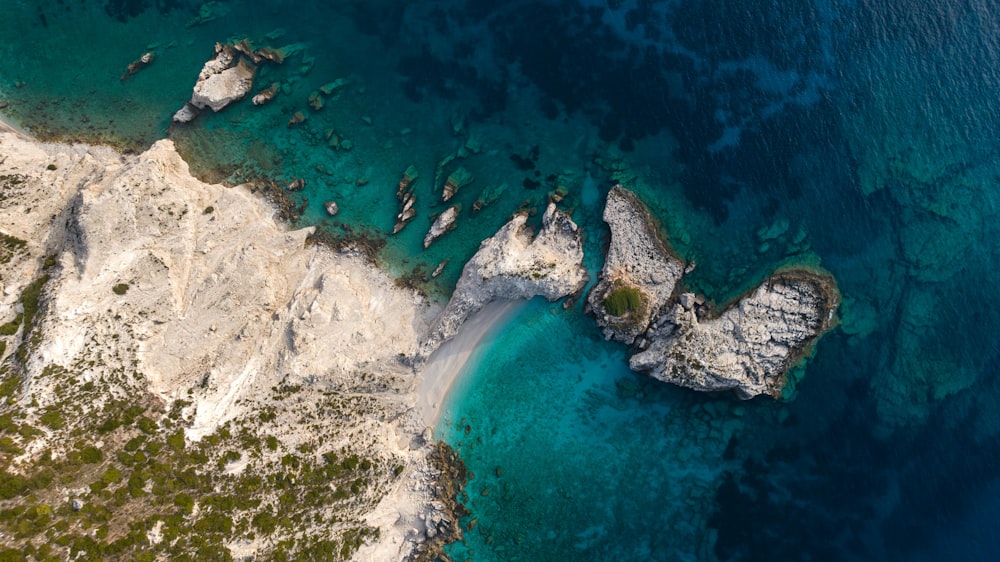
<point>856,135</point>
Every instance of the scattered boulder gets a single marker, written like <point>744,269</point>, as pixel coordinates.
<point>406,197</point>
<point>331,208</point>
<point>444,222</point>
<point>298,184</point>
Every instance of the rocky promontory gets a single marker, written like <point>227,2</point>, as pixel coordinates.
<point>751,345</point>
<point>513,264</point>
<point>639,273</point>
<point>747,348</point>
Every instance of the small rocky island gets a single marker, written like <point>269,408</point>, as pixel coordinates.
<point>746,347</point>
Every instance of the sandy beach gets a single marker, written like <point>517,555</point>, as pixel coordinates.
<point>446,364</point>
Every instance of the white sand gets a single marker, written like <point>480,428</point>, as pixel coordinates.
<point>447,363</point>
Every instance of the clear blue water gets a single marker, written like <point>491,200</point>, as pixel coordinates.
<point>857,134</point>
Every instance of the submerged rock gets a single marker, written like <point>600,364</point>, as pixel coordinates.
<point>457,180</point>
<point>513,264</point>
<point>266,95</point>
<point>639,273</point>
<point>444,222</point>
<point>751,345</point>
<point>331,208</point>
<point>137,65</point>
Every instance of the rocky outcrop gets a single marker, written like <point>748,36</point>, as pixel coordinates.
<point>226,78</point>
<point>746,348</point>
<point>514,265</point>
<point>751,345</point>
<point>442,224</point>
<point>639,267</point>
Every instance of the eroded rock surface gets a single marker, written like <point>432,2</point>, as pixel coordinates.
<point>515,265</point>
<point>226,78</point>
<point>747,348</point>
<point>637,260</point>
<point>751,345</point>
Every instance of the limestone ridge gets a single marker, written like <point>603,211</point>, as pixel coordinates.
<point>637,260</point>
<point>748,348</point>
<point>514,265</point>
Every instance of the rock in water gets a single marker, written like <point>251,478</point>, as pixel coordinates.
<point>444,223</point>
<point>457,180</point>
<point>331,208</point>
<point>226,78</point>
<point>640,270</point>
<point>266,95</point>
<point>514,265</point>
<point>750,347</point>
<point>137,65</point>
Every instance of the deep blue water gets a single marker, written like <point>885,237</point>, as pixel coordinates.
<point>857,135</point>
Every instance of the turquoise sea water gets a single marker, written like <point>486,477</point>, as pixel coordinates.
<point>860,135</point>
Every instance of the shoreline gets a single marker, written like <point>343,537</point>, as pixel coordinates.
<point>8,126</point>
<point>449,362</point>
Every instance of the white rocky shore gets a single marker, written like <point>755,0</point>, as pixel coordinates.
<point>746,347</point>
<point>188,303</point>
<point>514,264</point>
<point>161,291</point>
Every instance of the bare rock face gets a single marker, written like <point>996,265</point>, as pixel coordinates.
<point>638,262</point>
<point>228,77</point>
<point>442,224</point>
<point>515,265</point>
<point>746,348</point>
<point>751,345</point>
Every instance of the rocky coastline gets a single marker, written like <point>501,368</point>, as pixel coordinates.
<point>746,347</point>
<point>514,264</point>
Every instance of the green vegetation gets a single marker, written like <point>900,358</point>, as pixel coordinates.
<point>9,246</point>
<point>208,210</point>
<point>10,328</point>
<point>120,289</point>
<point>51,167</point>
<point>623,300</point>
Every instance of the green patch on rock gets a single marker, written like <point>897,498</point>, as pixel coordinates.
<point>623,300</point>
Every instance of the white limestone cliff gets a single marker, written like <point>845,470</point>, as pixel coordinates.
<point>513,264</point>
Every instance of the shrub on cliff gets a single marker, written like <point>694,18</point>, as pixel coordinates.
<point>623,300</point>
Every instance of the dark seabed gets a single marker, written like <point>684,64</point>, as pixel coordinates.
<point>859,135</point>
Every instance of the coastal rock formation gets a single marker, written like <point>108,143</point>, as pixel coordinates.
<point>226,78</point>
<point>143,289</point>
<point>442,224</point>
<point>749,347</point>
<point>639,273</point>
<point>515,265</point>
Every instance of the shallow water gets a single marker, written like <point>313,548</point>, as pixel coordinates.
<point>857,135</point>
